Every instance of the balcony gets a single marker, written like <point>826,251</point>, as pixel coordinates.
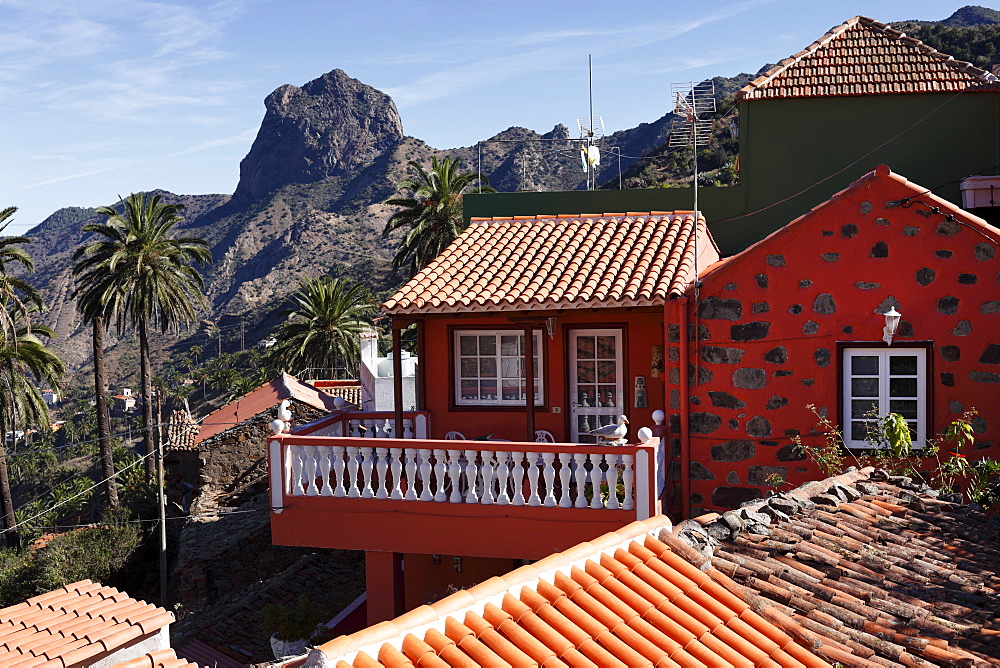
<point>333,487</point>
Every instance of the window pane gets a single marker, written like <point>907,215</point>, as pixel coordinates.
<point>902,387</point>
<point>585,347</point>
<point>606,372</point>
<point>864,387</point>
<point>606,347</point>
<point>903,365</point>
<point>905,407</point>
<point>488,389</point>
<point>508,346</point>
<point>488,345</point>
<point>861,408</point>
<point>511,390</point>
<point>585,372</point>
<point>488,367</point>
<point>859,431</point>
<point>467,345</point>
<point>864,365</point>
<point>510,367</point>
<point>470,367</point>
<point>586,395</point>
<point>470,390</point>
<point>607,395</point>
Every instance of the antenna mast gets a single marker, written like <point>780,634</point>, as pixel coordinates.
<point>591,134</point>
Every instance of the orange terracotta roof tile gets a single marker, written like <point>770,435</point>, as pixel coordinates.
<point>74,625</point>
<point>869,568</point>
<point>164,658</point>
<point>865,57</point>
<point>624,599</point>
<point>541,263</point>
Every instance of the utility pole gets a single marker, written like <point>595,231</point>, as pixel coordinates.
<point>242,345</point>
<point>163,524</point>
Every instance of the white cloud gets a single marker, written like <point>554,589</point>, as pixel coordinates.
<point>68,178</point>
<point>241,138</point>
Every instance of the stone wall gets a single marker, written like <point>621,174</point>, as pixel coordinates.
<point>771,321</point>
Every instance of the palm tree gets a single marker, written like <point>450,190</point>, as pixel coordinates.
<point>432,217</point>
<point>135,274</point>
<point>25,363</point>
<point>15,290</point>
<point>323,325</point>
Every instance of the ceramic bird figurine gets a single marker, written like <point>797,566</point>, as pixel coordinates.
<point>284,414</point>
<point>613,433</point>
<point>343,404</point>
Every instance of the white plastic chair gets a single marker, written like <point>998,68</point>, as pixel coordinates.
<point>455,436</point>
<point>543,436</point>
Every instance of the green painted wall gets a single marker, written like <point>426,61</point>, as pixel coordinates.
<point>787,146</point>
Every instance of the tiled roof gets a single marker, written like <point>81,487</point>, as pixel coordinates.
<point>559,262</point>
<point>165,658</point>
<point>865,57</point>
<point>624,599</point>
<point>264,398</point>
<point>871,569</point>
<point>74,625</point>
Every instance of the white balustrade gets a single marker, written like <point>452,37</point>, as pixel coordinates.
<point>567,478</point>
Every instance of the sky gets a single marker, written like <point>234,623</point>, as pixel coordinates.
<point>102,98</point>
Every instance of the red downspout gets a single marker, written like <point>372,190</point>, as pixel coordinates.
<point>685,471</point>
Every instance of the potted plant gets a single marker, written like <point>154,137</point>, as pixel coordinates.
<point>291,627</point>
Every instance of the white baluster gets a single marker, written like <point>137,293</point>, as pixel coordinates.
<point>352,471</point>
<point>487,472</point>
<point>533,497</point>
<point>439,469</point>
<point>338,470</point>
<point>471,476</point>
<point>381,466</point>
<point>411,474</point>
<point>425,476</point>
<point>296,470</point>
<point>309,459</point>
<point>395,470</point>
<point>367,464</point>
<point>324,469</point>
<point>612,477</point>
<point>503,471</point>
<point>369,427</point>
<point>455,473</point>
<point>549,474</point>
<point>407,428</point>
<point>628,476</point>
<point>580,459</point>
<point>564,477</point>
<point>377,429</point>
<point>518,470</point>
<point>596,477</point>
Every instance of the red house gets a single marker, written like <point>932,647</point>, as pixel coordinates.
<point>797,319</point>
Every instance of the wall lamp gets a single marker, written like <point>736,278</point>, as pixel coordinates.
<point>550,326</point>
<point>892,317</point>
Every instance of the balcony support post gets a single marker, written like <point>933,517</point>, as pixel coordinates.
<point>397,378</point>
<point>529,383</point>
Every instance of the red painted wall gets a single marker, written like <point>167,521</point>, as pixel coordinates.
<point>427,582</point>
<point>643,329</point>
<point>771,318</point>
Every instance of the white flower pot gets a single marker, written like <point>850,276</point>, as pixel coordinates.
<point>286,648</point>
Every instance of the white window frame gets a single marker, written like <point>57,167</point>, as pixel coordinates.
<point>499,400</point>
<point>884,355</point>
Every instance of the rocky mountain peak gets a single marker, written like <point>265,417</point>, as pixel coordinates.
<point>332,126</point>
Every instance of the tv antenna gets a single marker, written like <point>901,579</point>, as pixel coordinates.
<point>591,136</point>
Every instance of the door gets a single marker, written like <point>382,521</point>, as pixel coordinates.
<point>596,381</point>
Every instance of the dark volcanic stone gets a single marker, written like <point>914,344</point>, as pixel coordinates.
<point>948,379</point>
<point>882,221</point>
<point>905,328</point>
<point>790,453</point>
<point>990,307</point>
<point>675,399</point>
<point>805,283</point>
<point>830,257</point>
<point>984,251</point>
<point>732,497</point>
<point>725,400</point>
<point>948,305</point>
<point>795,309</point>
<point>864,285</point>
<point>780,373</point>
<point>948,228</point>
<point>750,331</point>
<point>695,399</point>
<point>721,355</point>
<point>963,328</point>
<point>991,355</point>
<point>865,207</point>
<point>776,402</point>
<point>810,328</point>
<point>716,308</point>
<point>704,375</point>
<point>698,471</point>
<point>731,286</point>
<point>979,424</point>
<point>673,354</point>
<point>734,424</point>
<point>880,249</point>
<point>925,276</point>
<point>822,356</point>
<point>733,478</point>
<point>967,279</point>
<point>758,475</point>
<point>808,381</point>
<point>951,353</point>
<point>749,379</point>
<point>910,230</point>
<point>827,233</point>
<point>761,307</point>
<point>734,451</point>
<point>849,231</point>
<point>943,254</point>
<point>824,304</point>
<point>761,280</point>
<point>848,330</point>
<point>776,355</point>
<point>981,377</point>
<point>759,427</point>
<point>704,423</point>
<point>776,260</point>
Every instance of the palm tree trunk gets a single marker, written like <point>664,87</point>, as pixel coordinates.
<point>103,426</point>
<point>145,378</point>
<point>12,537</point>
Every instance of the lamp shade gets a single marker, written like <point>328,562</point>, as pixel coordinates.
<point>892,317</point>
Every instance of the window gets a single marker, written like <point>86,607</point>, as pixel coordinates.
<point>490,368</point>
<point>881,381</point>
